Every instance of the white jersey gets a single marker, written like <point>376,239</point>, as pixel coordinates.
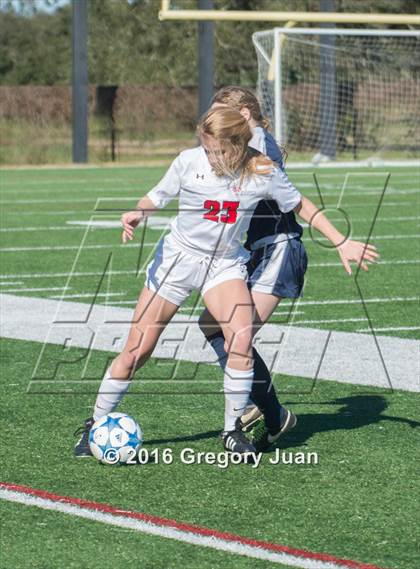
<point>214,212</point>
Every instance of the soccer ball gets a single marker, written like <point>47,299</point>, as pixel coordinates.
<point>115,438</point>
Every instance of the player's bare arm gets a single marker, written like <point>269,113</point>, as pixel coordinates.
<point>349,250</point>
<point>131,219</point>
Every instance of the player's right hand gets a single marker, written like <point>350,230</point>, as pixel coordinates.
<point>130,221</point>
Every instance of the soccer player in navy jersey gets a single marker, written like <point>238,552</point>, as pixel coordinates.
<point>276,270</point>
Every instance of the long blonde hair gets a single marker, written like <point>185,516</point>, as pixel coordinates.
<point>231,133</point>
<point>238,98</point>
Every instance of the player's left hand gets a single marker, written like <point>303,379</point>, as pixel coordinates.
<point>130,221</point>
<point>359,252</point>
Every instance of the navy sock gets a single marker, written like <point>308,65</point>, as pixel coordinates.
<point>264,395</point>
<point>218,334</point>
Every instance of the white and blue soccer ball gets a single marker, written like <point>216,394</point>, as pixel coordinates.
<point>115,438</point>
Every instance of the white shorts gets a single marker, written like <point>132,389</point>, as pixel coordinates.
<point>174,273</point>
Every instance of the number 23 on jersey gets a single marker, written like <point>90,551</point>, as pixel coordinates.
<point>225,212</point>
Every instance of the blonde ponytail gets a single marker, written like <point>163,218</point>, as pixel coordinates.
<point>257,164</point>
<point>265,123</point>
<point>231,132</point>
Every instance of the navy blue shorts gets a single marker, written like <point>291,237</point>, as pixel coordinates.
<point>278,268</point>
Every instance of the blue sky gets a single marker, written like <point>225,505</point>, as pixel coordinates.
<point>41,5</point>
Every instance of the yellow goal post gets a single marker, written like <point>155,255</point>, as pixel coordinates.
<point>166,13</point>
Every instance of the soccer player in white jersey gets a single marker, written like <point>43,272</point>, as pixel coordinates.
<point>218,186</point>
<point>276,270</point>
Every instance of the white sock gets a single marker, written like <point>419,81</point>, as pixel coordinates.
<point>218,345</point>
<point>237,386</point>
<point>110,394</point>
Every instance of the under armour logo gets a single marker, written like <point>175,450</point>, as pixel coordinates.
<point>200,176</point>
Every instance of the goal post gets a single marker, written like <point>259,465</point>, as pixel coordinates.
<point>345,94</point>
<point>167,12</point>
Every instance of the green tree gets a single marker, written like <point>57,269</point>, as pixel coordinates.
<point>129,45</point>
<point>36,48</point>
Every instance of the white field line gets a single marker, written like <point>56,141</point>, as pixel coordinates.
<point>73,247</point>
<point>143,271</point>
<point>396,176</point>
<point>380,262</point>
<point>190,309</point>
<point>70,181</point>
<point>134,273</point>
<point>122,302</point>
<point>8,283</point>
<point>199,308</point>
<point>411,168</point>
<point>67,274</point>
<point>76,192</point>
<point>112,245</point>
<point>79,225</point>
<point>381,237</point>
<point>42,289</point>
<point>86,295</point>
<point>31,213</point>
<point>47,228</point>
<point>213,539</point>
<point>291,350</point>
<point>154,222</point>
<point>390,192</point>
<point>367,164</point>
<point>390,329</point>
<point>305,303</point>
<point>93,199</point>
<point>333,191</point>
<point>396,218</point>
<point>129,303</point>
<point>374,204</point>
<point>358,301</point>
<point>351,186</point>
<point>117,198</point>
<point>288,313</point>
<point>328,321</point>
<point>97,193</point>
<point>308,181</point>
<point>329,302</point>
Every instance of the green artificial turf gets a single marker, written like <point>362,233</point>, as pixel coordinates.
<point>359,502</point>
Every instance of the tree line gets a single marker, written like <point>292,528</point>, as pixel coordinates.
<point>128,45</point>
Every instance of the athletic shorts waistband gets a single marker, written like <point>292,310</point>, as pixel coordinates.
<point>270,239</point>
<point>242,253</point>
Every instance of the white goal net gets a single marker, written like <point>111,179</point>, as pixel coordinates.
<point>341,94</point>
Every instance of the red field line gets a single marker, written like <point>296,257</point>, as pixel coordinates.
<point>186,527</point>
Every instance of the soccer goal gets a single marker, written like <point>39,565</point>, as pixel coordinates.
<point>342,94</point>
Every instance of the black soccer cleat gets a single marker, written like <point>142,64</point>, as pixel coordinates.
<point>82,447</point>
<point>249,419</point>
<point>236,441</point>
<point>263,439</point>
